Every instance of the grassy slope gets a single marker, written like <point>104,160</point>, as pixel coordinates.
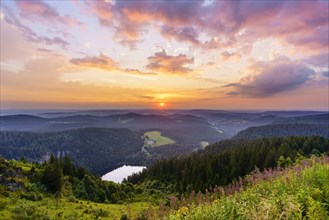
<point>13,206</point>
<point>299,192</point>
<point>54,208</point>
<point>160,140</point>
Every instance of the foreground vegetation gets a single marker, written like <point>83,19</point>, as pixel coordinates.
<point>180,188</point>
<point>298,192</point>
<point>66,208</point>
<point>59,190</point>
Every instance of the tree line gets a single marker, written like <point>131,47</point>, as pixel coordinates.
<point>225,161</point>
<point>96,149</point>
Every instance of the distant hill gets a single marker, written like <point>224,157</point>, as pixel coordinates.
<point>97,149</point>
<point>21,122</point>
<point>188,128</point>
<point>309,119</point>
<point>184,128</point>
<point>284,130</point>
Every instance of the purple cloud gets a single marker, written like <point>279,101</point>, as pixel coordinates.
<point>318,60</point>
<point>29,34</point>
<point>300,23</point>
<point>40,11</point>
<point>273,77</point>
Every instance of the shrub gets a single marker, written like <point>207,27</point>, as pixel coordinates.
<point>3,204</point>
<point>24,211</point>
<point>124,217</point>
<point>101,213</point>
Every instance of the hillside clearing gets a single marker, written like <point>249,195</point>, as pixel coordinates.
<point>155,139</point>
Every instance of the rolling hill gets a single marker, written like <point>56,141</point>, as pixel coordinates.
<point>97,149</point>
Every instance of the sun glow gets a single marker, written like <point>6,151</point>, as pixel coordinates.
<point>162,104</point>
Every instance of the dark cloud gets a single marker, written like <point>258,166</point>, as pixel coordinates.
<point>325,74</point>
<point>273,77</point>
<point>318,60</point>
<point>184,34</point>
<point>147,97</point>
<point>173,65</point>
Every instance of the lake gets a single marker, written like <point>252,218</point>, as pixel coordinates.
<point>120,173</point>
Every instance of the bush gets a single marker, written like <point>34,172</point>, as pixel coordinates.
<point>24,211</point>
<point>32,196</point>
<point>124,217</point>
<point>3,204</point>
<point>101,213</point>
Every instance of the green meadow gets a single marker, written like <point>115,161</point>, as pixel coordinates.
<point>155,139</point>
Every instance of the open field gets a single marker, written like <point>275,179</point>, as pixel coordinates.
<point>155,139</point>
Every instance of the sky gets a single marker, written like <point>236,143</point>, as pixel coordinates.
<point>164,54</point>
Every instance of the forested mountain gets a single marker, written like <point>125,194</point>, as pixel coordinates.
<point>306,119</point>
<point>187,128</point>
<point>183,128</point>
<point>284,130</point>
<point>225,161</point>
<point>97,149</point>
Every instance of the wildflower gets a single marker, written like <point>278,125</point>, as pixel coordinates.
<point>182,212</point>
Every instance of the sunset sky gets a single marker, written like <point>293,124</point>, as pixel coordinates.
<point>184,54</point>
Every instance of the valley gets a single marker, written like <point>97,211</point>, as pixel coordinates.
<point>103,140</point>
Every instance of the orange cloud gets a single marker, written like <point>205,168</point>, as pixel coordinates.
<point>105,63</point>
<point>172,65</point>
<point>101,61</point>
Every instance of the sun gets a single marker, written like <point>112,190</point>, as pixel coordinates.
<point>162,104</point>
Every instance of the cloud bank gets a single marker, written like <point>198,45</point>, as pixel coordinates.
<point>273,77</point>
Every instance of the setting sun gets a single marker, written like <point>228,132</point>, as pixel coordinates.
<point>162,104</point>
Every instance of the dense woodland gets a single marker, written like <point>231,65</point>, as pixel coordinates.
<point>96,149</point>
<point>284,130</point>
<point>227,160</point>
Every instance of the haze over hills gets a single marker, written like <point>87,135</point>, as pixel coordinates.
<point>73,132</point>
